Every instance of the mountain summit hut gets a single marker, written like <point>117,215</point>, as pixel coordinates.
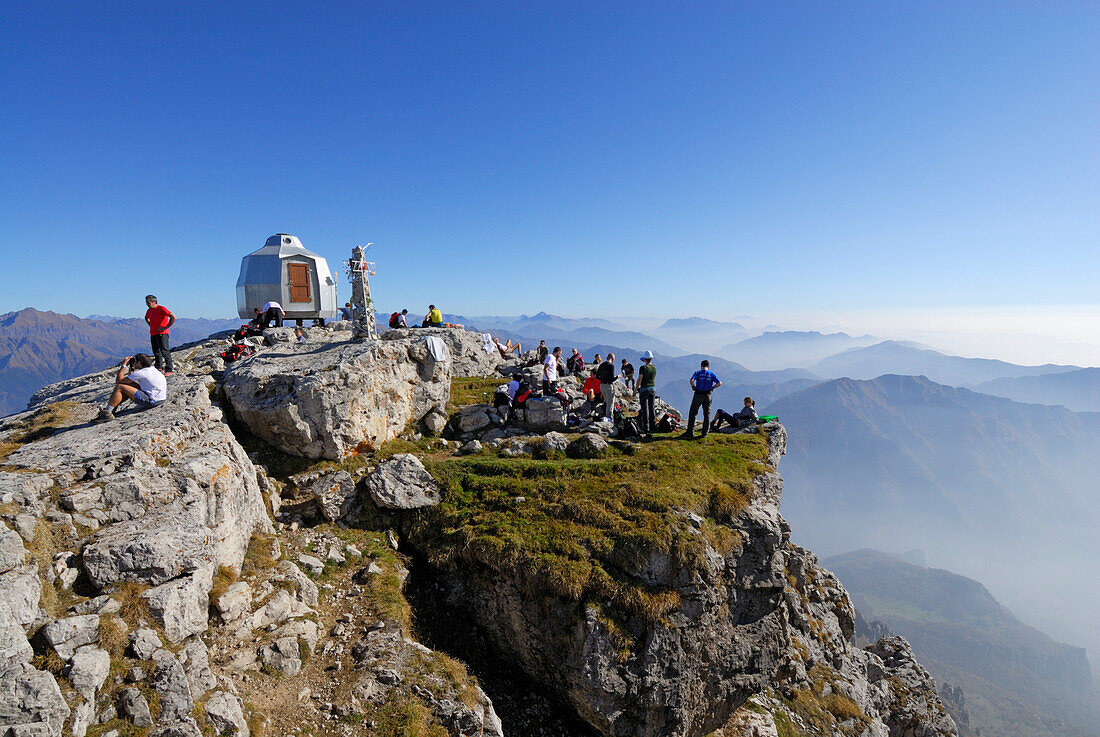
<point>284,271</point>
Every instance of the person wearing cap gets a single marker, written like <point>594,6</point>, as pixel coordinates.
<point>647,394</point>
<point>703,382</point>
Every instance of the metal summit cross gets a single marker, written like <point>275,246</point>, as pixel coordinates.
<point>359,270</point>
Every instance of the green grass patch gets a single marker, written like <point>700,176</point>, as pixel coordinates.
<point>473,390</point>
<point>587,527</point>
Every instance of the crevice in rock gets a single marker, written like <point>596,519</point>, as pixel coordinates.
<point>522,704</point>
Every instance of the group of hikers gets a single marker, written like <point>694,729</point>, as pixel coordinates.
<point>601,378</point>
<point>141,377</point>
<point>433,319</point>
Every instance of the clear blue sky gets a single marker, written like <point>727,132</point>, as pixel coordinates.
<point>574,157</point>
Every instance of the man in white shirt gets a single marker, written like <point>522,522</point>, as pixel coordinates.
<point>273,313</point>
<point>138,381</point>
<point>550,372</point>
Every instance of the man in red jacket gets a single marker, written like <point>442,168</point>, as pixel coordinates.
<point>160,319</point>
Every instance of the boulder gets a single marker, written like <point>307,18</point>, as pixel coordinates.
<point>235,602</point>
<point>545,414</point>
<point>434,422</point>
<point>21,589</point>
<point>12,552</point>
<point>133,705</point>
<point>324,400</point>
<point>181,605</point>
<point>335,495</point>
<point>225,712</point>
<point>466,349</point>
<point>187,727</point>
<point>555,441</point>
<point>402,482</point>
<point>144,642</point>
<point>589,445</point>
<point>15,649</point>
<point>66,635</point>
<point>283,655</point>
<point>473,418</point>
<point>196,664</point>
<point>470,448</point>
<point>279,608</point>
<point>31,704</point>
<point>170,681</point>
<point>89,669</point>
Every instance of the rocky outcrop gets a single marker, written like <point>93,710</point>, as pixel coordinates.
<point>328,399</point>
<point>466,348</point>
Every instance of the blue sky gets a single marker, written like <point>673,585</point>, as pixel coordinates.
<point>580,158</point>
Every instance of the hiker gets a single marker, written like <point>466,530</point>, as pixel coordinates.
<point>607,376</point>
<point>508,348</point>
<point>257,318</point>
<point>744,418</point>
<point>596,360</point>
<point>435,317</point>
<point>542,351</point>
<point>273,313</point>
<point>647,395</point>
<point>550,372</point>
<point>398,319</point>
<point>160,320</point>
<point>345,312</point>
<point>591,391</point>
<point>139,380</point>
<point>575,364</point>
<point>300,334</point>
<point>702,382</point>
<point>520,393</point>
<point>628,376</point>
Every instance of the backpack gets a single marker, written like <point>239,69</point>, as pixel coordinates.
<point>394,319</point>
<point>522,395</point>
<point>630,429</point>
<point>667,423</point>
<point>767,418</point>
<point>237,352</point>
<point>246,330</point>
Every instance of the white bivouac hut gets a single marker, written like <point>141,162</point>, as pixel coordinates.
<point>284,271</point>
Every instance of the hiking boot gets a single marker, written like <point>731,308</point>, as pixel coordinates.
<point>105,415</point>
<point>687,436</point>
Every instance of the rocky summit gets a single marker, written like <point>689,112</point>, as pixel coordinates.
<point>334,537</point>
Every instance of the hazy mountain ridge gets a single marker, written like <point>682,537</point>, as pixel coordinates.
<point>902,357</point>
<point>1018,681</point>
<point>790,348</point>
<point>1077,390</point>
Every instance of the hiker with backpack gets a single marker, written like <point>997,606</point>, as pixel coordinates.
<point>744,418</point>
<point>519,392</point>
<point>137,380</point>
<point>647,395</point>
<point>398,320</point>
<point>702,382</point>
<point>607,376</point>
<point>550,372</point>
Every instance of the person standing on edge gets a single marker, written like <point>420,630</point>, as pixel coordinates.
<point>606,374</point>
<point>703,382</point>
<point>550,373</point>
<point>160,320</point>
<point>647,394</point>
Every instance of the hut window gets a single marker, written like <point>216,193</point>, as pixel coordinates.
<point>298,275</point>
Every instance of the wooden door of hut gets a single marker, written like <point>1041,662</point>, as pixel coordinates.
<point>298,276</point>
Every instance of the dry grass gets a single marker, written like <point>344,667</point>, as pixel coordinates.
<point>224,577</point>
<point>44,422</point>
<point>134,607</point>
<point>112,636</point>
<point>257,557</point>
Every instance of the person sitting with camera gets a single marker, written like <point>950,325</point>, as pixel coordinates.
<point>138,381</point>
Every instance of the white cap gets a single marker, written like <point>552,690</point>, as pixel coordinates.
<point>647,354</point>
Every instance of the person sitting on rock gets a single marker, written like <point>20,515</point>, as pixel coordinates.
<point>508,348</point>
<point>434,317</point>
<point>744,418</point>
<point>136,380</point>
<point>273,313</point>
<point>575,364</point>
<point>591,391</point>
<point>257,318</point>
<point>345,312</point>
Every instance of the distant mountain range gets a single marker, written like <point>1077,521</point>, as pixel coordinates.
<point>1006,492</point>
<point>1018,682</point>
<point>39,348</point>
<point>790,348</point>
<point>1077,390</point>
<point>913,359</point>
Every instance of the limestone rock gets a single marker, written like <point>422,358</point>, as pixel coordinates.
<point>402,482</point>
<point>186,727</point>
<point>235,602</point>
<point>589,445</point>
<point>31,704</point>
<point>21,589</point>
<point>335,495</point>
<point>196,664</point>
<point>555,441</point>
<point>226,713</point>
<point>15,649</point>
<point>283,656</point>
<point>323,401</point>
<point>281,607</point>
<point>181,605</point>
<point>545,414</point>
<point>144,642</point>
<point>304,589</point>
<point>465,348</point>
<point>434,422</point>
<point>312,564</point>
<point>170,681</point>
<point>88,670</point>
<point>134,706</point>
<point>470,448</point>
<point>66,635</point>
<point>12,552</point>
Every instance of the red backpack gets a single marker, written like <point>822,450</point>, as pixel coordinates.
<point>237,352</point>
<point>394,319</point>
